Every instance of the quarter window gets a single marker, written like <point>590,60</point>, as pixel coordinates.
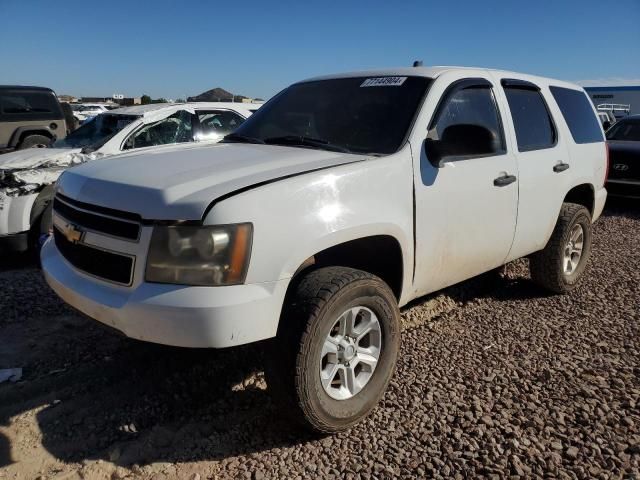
<point>531,119</point>
<point>577,111</point>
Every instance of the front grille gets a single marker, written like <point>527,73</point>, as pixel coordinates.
<point>100,263</point>
<point>95,218</point>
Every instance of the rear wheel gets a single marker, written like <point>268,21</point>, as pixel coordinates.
<point>336,349</point>
<point>34,141</point>
<point>560,266</point>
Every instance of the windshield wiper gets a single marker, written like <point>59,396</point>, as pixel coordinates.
<point>236,137</point>
<point>306,141</point>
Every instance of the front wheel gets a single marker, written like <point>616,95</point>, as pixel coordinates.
<point>559,267</point>
<point>336,348</point>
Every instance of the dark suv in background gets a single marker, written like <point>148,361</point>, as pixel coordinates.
<point>29,117</point>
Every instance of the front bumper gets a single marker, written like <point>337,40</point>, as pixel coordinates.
<point>15,243</point>
<point>184,316</point>
<point>15,213</point>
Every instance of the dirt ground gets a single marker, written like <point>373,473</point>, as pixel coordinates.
<point>496,379</point>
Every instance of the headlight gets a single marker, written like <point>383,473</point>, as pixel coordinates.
<point>199,255</point>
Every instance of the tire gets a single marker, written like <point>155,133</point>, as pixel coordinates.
<point>41,227</point>
<point>34,141</point>
<point>316,305</point>
<point>548,267</point>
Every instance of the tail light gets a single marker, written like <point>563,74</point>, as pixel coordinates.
<point>606,174</point>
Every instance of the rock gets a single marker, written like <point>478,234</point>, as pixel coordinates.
<point>572,452</point>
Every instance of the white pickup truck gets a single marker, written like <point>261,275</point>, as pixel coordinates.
<point>339,201</point>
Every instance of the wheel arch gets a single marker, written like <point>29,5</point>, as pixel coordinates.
<point>23,132</point>
<point>582,194</point>
<point>378,254</point>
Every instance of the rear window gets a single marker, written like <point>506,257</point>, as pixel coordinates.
<point>531,119</point>
<point>578,113</point>
<point>16,105</point>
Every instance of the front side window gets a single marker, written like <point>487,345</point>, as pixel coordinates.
<point>215,124</point>
<point>531,119</point>
<point>468,124</point>
<point>625,130</point>
<point>176,128</point>
<point>97,132</point>
<point>356,115</point>
<point>577,111</point>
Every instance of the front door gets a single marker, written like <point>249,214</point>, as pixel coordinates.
<point>467,192</point>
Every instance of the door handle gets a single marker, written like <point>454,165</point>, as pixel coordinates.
<point>504,180</point>
<point>561,167</point>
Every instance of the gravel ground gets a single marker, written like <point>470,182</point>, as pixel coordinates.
<point>496,379</point>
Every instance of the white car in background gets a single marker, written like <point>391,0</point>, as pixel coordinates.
<point>27,176</point>
<point>86,111</point>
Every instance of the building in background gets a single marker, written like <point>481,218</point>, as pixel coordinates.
<point>118,99</point>
<point>620,100</point>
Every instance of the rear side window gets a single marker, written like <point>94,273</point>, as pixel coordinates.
<point>25,105</point>
<point>531,119</point>
<point>578,113</point>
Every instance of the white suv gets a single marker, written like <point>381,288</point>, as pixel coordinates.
<point>340,200</point>
<point>27,176</point>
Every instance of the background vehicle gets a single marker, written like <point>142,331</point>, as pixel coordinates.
<point>618,110</point>
<point>86,111</point>
<point>607,118</point>
<point>29,117</point>
<point>327,210</point>
<point>624,157</point>
<point>26,177</point>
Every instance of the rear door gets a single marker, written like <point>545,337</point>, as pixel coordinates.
<point>543,163</point>
<point>466,205</point>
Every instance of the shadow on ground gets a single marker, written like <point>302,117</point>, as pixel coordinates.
<point>101,396</point>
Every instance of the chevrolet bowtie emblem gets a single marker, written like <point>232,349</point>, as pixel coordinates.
<point>72,233</point>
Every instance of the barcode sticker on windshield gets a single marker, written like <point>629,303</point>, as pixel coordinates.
<point>383,82</point>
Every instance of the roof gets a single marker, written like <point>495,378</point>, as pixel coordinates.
<point>156,107</point>
<point>25,87</point>
<point>436,71</point>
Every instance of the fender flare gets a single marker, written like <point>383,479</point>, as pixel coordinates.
<point>30,129</point>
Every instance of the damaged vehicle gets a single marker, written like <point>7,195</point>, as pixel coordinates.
<point>27,176</point>
<point>342,199</point>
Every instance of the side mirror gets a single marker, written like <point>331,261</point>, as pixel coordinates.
<point>606,125</point>
<point>460,141</point>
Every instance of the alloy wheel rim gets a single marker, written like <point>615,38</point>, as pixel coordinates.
<point>573,249</point>
<point>350,353</point>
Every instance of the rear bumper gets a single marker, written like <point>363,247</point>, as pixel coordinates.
<point>184,316</point>
<point>623,188</point>
<point>15,243</point>
<point>599,201</point>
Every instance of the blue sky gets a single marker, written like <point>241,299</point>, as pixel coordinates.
<point>174,48</point>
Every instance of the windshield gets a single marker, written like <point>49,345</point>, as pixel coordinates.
<point>359,115</point>
<point>625,130</point>
<point>97,132</point>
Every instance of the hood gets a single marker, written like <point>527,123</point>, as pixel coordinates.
<point>25,171</point>
<point>179,183</point>
<point>40,157</point>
